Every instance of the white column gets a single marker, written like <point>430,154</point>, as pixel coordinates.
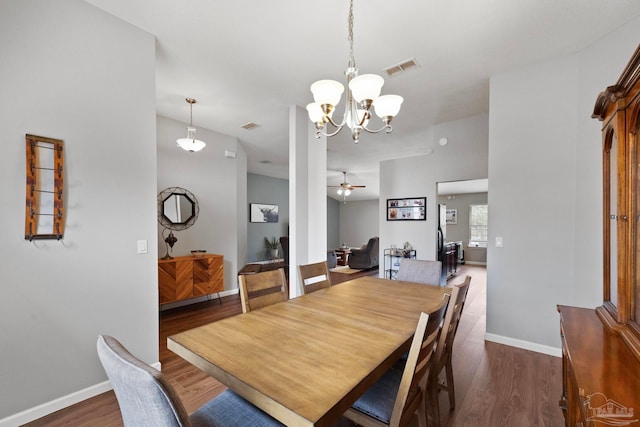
<point>307,196</point>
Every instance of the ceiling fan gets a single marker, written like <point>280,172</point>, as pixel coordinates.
<point>344,189</point>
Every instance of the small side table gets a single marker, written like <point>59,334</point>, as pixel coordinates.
<point>343,256</point>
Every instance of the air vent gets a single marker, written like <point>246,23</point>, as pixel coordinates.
<point>402,67</point>
<point>250,126</point>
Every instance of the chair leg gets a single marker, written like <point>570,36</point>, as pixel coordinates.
<point>432,404</point>
<point>422,414</point>
<point>450,389</point>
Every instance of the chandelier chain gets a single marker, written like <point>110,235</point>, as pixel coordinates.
<point>352,61</point>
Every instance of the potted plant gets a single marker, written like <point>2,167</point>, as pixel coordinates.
<point>272,245</point>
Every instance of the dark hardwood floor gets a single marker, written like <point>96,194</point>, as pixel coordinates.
<point>496,385</point>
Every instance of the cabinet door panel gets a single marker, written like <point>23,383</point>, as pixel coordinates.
<point>175,280</point>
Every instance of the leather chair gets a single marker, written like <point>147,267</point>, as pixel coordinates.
<point>365,257</point>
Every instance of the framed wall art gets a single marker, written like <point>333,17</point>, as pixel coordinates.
<point>452,216</point>
<point>410,209</point>
<point>263,213</point>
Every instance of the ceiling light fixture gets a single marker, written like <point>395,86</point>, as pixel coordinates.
<point>344,189</point>
<point>190,143</point>
<point>362,92</point>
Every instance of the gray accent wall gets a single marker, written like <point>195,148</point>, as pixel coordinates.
<point>333,223</point>
<point>73,72</point>
<point>266,190</point>
<point>359,221</point>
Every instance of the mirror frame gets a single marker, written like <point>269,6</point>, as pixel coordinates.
<point>164,195</point>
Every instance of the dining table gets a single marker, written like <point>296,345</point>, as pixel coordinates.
<point>306,360</point>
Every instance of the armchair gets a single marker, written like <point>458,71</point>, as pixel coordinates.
<point>365,257</point>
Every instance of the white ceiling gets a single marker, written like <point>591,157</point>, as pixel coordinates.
<point>250,61</point>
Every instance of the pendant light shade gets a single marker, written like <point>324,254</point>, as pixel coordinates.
<point>190,143</point>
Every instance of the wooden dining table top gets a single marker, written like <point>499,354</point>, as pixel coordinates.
<point>306,360</point>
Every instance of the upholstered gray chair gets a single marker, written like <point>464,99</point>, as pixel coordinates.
<point>146,399</point>
<point>365,257</point>
<point>332,258</point>
<point>420,271</point>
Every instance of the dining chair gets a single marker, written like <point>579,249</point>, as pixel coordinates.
<point>314,276</point>
<point>262,289</point>
<point>444,353</point>
<point>398,394</point>
<point>420,271</point>
<point>146,398</point>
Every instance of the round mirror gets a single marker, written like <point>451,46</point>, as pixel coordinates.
<point>177,208</point>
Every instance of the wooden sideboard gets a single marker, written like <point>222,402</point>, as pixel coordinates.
<point>601,376</point>
<point>187,277</point>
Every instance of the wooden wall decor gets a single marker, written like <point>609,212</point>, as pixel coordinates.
<point>44,209</point>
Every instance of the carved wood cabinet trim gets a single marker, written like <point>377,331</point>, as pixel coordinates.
<point>618,107</point>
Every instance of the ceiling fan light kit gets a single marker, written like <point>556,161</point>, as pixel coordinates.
<point>344,188</point>
<point>363,92</point>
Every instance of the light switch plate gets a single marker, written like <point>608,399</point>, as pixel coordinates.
<point>142,247</point>
<point>498,242</point>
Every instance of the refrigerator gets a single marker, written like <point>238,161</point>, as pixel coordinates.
<point>442,229</point>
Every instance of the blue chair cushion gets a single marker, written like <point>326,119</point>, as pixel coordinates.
<point>378,401</point>
<point>231,410</point>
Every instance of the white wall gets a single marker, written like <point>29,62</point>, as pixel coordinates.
<point>545,193</point>
<point>219,184</point>
<point>359,221</point>
<point>464,157</point>
<point>72,72</point>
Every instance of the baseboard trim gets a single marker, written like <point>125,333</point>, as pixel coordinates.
<point>48,408</point>
<point>203,298</point>
<point>525,345</point>
<point>475,263</point>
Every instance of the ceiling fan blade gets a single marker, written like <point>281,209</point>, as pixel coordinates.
<point>357,186</point>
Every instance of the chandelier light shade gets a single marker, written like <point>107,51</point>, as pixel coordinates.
<point>190,143</point>
<point>363,92</point>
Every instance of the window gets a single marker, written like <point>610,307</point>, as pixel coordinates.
<point>478,225</point>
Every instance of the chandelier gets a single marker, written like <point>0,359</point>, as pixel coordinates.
<point>190,143</point>
<point>363,92</point>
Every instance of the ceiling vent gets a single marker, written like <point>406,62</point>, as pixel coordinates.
<point>250,126</point>
<point>402,67</point>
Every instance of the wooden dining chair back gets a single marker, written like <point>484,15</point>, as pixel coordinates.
<point>420,271</point>
<point>262,289</point>
<point>146,398</point>
<point>314,277</point>
<point>444,353</point>
<point>398,394</point>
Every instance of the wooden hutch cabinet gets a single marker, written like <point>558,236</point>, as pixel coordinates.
<point>601,347</point>
<point>187,277</point>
